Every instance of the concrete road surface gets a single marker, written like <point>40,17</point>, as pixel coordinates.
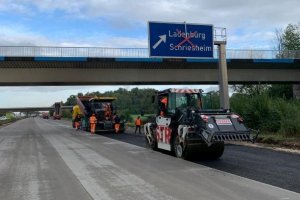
<point>276,168</point>
<point>46,159</point>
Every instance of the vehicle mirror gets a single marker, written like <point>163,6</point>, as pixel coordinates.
<point>153,99</point>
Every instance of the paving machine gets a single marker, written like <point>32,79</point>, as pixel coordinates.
<point>186,128</point>
<point>103,109</point>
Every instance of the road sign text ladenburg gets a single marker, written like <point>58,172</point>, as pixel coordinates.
<point>180,40</point>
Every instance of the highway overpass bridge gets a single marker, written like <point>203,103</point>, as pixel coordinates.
<point>21,66</point>
<point>32,109</point>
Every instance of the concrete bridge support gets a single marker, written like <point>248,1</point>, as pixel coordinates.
<point>296,91</point>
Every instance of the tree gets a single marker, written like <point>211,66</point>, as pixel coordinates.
<point>288,45</point>
<point>71,101</point>
<point>281,91</point>
<point>127,102</point>
<point>211,100</point>
<point>250,89</point>
<point>278,39</point>
<point>10,115</point>
<point>291,37</point>
<point>288,41</point>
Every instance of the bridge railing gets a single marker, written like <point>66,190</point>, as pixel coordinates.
<point>43,51</point>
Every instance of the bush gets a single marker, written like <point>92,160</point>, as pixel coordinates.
<point>258,112</point>
<point>273,115</point>
<point>66,114</point>
<point>125,115</point>
<point>238,102</point>
<point>290,118</point>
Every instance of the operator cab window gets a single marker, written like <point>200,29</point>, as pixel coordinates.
<point>163,105</point>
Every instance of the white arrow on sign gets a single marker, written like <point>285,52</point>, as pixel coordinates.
<point>163,38</point>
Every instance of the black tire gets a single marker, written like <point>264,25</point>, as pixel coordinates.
<point>216,150</point>
<point>179,149</point>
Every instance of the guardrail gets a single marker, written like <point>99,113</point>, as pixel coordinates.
<point>44,51</point>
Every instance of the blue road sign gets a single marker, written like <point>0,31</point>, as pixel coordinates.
<point>180,40</point>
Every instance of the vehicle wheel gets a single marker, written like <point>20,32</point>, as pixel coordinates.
<point>216,150</point>
<point>152,144</point>
<point>179,149</point>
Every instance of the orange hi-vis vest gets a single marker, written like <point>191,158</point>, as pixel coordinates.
<point>93,120</point>
<point>138,122</point>
<point>164,100</point>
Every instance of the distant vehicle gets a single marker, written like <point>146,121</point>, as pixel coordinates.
<point>45,115</point>
<point>3,118</point>
<point>57,111</point>
<point>184,126</point>
<point>102,107</point>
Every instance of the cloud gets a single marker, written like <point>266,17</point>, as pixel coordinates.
<point>231,12</point>
<point>117,23</point>
<point>13,6</point>
<point>255,19</point>
<point>19,35</point>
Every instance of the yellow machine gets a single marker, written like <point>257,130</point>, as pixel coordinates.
<point>75,112</point>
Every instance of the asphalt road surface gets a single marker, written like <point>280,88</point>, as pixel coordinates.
<point>268,166</point>
<point>46,159</point>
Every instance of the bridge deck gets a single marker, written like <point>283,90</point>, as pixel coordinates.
<point>146,71</point>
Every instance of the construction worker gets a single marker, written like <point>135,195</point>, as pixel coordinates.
<point>117,123</point>
<point>164,102</point>
<point>107,111</point>
<point>138,123</point>
<point>93,121</point>
<point>77,121</point>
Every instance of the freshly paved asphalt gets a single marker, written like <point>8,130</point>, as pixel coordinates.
<point>280,169</point>
<point>46,159</point>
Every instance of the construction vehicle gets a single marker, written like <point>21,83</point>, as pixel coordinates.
<point>75,111</point>
<point>185,127</point>
<point>103,109</point>
<point>45,115</point>
<point>57,111</point>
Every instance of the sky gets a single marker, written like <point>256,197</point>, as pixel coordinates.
<point>118,23</point>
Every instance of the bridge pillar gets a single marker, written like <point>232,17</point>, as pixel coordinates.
<point>296,91</point>
<point>223,76</point>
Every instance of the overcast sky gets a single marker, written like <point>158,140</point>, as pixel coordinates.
<point>123,23</point>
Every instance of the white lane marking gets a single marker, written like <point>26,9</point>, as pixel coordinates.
<point>101,178</point>
<point>79,168</point>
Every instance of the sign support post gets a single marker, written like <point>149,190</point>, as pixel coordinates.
<point>223,75</point>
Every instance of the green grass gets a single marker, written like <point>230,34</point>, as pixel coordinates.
<point>279,140</point>
<point>2,122</point>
